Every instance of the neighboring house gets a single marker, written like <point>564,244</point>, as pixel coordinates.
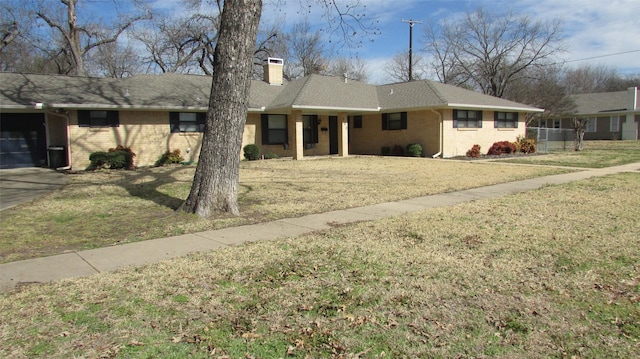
<point>611,115</point>
<point>311,116</point>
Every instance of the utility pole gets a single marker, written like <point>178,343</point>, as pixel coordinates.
<point>411,23</point>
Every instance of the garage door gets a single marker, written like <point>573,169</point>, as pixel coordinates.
<point>22,140</point>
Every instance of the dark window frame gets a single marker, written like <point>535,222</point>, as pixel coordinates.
<point>461,119</point>
<point>501,120</point>
<point>94,118</point>
<point>269,133</point>
<point>310,128</point>
<point>391,123</point>
<point>357,121</point>
<point>180,126</point>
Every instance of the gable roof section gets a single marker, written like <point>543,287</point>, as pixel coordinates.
<point>191,92</point>
<point>316,92</point>
<point>594,103</point>
<point>430,94</point>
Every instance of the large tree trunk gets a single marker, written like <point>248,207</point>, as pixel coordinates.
<point>215,183</point>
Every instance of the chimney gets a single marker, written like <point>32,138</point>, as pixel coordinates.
<point>632,98</point>
<point>273,71</point>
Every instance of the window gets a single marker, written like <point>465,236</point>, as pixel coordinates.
<point>505,120</point>
<point>394,121</point>
<point>467,119</point>
<point>274,129</point>
<point>310,129</point>
<point>97,118</point>
<point>591,126</point>
<point>357,121</point>
<point>187,121</point>
<point>615,124</point>
<point>556,123</point>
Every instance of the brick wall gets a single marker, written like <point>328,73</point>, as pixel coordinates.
<point>422,128</point>
<point>457,141</point>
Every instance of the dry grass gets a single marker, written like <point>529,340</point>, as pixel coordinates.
<point>109,207</point>
<point>548,273</point>
<point>596,154</point>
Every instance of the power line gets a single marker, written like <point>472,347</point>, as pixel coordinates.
<point>607,55</point>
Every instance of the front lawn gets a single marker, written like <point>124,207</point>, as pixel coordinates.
<point>596,154</point>
<point>111,207</point>
<point>550,273</point>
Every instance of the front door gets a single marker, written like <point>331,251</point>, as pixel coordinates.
<point>333,135</point>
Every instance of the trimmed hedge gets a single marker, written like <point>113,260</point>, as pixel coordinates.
<point>251,152</point>
<point>116,158</point>
<point>501,148</point>
<point>169,157</point>
<point>414,150</point>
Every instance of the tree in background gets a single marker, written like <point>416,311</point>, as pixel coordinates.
<point>599,78</point>
<point>115,61</point>
<point>492,50</point>
<point>542,87</point>
<point>353,68</point>
<point>397,68</point>
<point>180,44</point>
<point>306,52</point>
<point>77,38</point>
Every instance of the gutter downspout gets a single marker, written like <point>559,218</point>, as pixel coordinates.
<point>441,133</point>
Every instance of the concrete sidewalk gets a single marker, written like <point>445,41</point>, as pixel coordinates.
<point>85,263</point>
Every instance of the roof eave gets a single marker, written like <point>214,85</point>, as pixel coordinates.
<point>340,109</point>
<point>492,107</point>
<point>125,107</point>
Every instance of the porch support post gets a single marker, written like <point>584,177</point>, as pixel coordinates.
<point>296,136</point>
<point>343,134</point>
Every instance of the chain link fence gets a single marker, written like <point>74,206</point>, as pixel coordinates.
<point>551,139</point>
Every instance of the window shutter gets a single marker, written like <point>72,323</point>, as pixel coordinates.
<point>455,118</point>
<point>495,119</point>
<point>174,122</point>
<point>265,128</point>
<point>113,118</point>
<point>83,118</point>
<point>515,116</point>
<point>384,121</point>
<point>201,119</point>
<point>479,119</point>
<point>403,120</point>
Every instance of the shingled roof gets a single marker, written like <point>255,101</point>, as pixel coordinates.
<point>179,92</point>
<point>594,103</point>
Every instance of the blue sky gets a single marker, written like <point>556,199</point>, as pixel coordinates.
<point>594,30</point>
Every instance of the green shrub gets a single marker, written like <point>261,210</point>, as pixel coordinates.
<point>397,150</point>
<point>501,148</point>
<point>98,159</point>
<point>385,150</point>
<point>251,152</point>
<point>121,157</point>
<point>270,156</point>
<point>414,150</point>
<point>169,157</point>
<point>116,158</point>
<point>474,151</point>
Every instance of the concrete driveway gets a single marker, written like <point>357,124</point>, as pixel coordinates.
<point>26,184</point>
